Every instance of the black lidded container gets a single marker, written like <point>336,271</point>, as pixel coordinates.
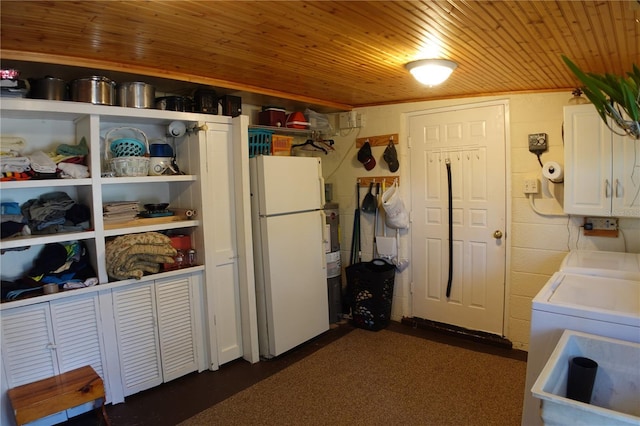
<point>231,105</point>
<point>174,103</point>
<point>205,101</point>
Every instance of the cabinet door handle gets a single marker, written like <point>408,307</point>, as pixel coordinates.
<point>607,188</point>
<point>52,346</point>
<point>617,187</point>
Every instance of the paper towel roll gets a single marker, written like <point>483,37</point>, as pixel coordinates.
<point>552,171</point>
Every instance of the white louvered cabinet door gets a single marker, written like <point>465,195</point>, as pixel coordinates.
<point>78,333</point>
<point>137,335</point>
<point>28,346</point>
<point>176,326</point>
<point>28,353</point>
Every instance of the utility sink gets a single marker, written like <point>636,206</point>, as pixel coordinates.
<point>616,392</point>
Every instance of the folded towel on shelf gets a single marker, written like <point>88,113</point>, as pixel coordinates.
<point>73,171</point>
<point>120,206</point>
<point>42,163</point>
<point>118,217</point>
<point>12,143</point>
<point>73,150</point>
<point>120,211</point>
<point>130,256</point>
<point>10,163</point>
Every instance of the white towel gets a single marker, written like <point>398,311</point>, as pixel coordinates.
<point>12,143</point>
<point>73,171</point>
<point>42,163</point>
<point>10,163</point>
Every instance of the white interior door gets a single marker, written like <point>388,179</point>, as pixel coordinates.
<point>472,139</point>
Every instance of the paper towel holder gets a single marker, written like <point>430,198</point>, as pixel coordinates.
<point>553,172</point>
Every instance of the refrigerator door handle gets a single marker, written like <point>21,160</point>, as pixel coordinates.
<point>325,238</point>
<point>323,200</point>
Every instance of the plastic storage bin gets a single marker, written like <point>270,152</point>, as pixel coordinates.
<point>616,392</point>
<point>370,285</point>
<point>259,142</point>
<point>281,145</point>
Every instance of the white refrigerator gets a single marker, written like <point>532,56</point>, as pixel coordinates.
<point>287,199</point>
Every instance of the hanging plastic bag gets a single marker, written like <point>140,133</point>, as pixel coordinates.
<point>319,122</point>
<point>396,216</point>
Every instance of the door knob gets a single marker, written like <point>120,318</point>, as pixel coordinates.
<point>497,234</point>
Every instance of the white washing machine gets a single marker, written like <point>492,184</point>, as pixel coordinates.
<point>603,263</point>
<point>591,302</point>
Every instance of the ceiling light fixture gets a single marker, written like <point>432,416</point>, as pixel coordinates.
<point>431,71</point>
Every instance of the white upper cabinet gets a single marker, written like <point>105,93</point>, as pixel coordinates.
<point>602,169</point>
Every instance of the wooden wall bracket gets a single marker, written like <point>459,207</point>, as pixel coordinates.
<point>388,180</point>
<point>382,140</point>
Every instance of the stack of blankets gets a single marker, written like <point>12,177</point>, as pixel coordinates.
<point>133,255</point>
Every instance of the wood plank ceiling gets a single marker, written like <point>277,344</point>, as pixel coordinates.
<point>338,54</point>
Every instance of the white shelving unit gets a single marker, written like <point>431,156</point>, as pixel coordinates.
<point>213,293</point>
<point>46,124</point>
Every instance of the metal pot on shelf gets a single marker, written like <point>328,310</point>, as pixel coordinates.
<point>48,87</point>
<point>95,89</point>
<point>136,94</point>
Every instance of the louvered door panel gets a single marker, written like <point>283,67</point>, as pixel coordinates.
<point>77,333</point>
<point>28,349</point>
<point>137,337</point>
<point>176,326</point>
<point>78,337</point>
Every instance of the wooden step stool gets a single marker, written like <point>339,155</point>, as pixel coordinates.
<point>54,394</point>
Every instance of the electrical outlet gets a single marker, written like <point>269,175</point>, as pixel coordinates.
<point>601,223</point>
<point>531,186</point>
<point>537,142</point>
<point>344,119</point>
<point>351,120</point>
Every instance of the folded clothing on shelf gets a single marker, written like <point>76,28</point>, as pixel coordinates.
<point>56,263</point>
<point>55,212</point>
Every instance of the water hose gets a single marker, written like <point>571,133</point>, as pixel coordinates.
<point>447,162</point>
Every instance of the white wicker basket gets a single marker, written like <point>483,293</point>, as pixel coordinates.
<point>130,166</point>
<point>121,163</point>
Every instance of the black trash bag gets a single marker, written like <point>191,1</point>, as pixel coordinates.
<point>370,288</point>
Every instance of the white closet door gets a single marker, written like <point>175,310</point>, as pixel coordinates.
<point>137,335</point>
<point>176,325</point>
<point>220,229</point>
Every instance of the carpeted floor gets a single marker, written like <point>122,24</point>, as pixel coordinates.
<point>375,378</point>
